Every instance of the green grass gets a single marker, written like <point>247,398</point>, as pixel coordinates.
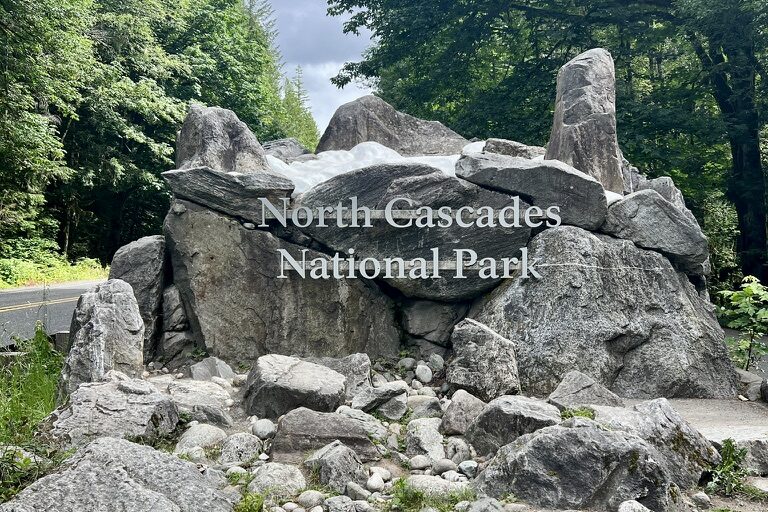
<point>16,272</point>
<point>408,499</point>
<point>27,395</point>
<point>251,502</point>
<point>28,389</point>
<point>581,412</point>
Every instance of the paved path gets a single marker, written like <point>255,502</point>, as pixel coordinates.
<point>52,305</point>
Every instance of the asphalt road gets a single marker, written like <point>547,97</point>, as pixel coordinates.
<point>52,305</point>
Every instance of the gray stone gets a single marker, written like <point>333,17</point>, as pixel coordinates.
<point>506,418</point>
<point>701,500</point>
<point>371,119</point>
<point>484,362</point>
<point>464,408</point>
<point>176,349</point>
<point>287,150</point>
<point>457,449</point>
<point>174,316</point>
<point>302,431</point>
<point>631,321</point>
<point>486,505</point>
<point>395,408</point>
<point>264,429</point>
<point>584,127</point>
<point>419,462</point>
<point>424,373</point>
<point>436,362</point>
<point>307,317</point>
<point>202,400</point>
<point>275,479</point>
<point>356,368</point>
<point>686,453</point>
<point>357,492</point>
<point>584,466</point>
<point>107,334</point>
<point>334,465</point>
<point>423,438</point>
<point>278,384</point>
<point>469,468</point>
<point>123,408</point>
<point>444,465</point>
<point>211,367</point>
<point>424,407</point>
<point>512,148</point>
<point>577,389</point>
<point>215,137</point>
<point>750,385</point>
<point>632,506</point>
<point>545,183</point>
<point>141,264</point>
<point>375,483</point>
<point>376,430</point>
<point>371,398</point>
<point>340,504</point>
<point>432,321</point>
<point>114,474</point>
<point>200,436</point>
<point>237,195</point>
<point>241,449</point>
<point>652,222</point>
<point>376,186</point>
<point>310,499</point>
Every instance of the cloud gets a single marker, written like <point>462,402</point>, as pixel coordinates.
<point>307,37</point>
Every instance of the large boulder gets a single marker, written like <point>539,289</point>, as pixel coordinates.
<point>114,474</point>
<point>174,315</point>
<point>666,188</point>
<point>278,384</point>
<point>302,431</point>
<point>275,479</point>
<point>620,314</point>
<point>122,407</point>
<point>423,437</point>
<point>686,453</point>
<point>545,183</point>
<point>432,321</point>
<point>214,137</point>
<point>652,222</point>
<point>237,195</point>
<point>375,186</point>
<point>461,412</point>
<point>513,148</point>
<point>239,310</point>
<point>577,389</point>
<point>372,119</point>
<point>200,400</point>
<point>508,417</point>
<point>107,333</point>
<point>484,362</point>
<point>141,264</point>
<point>356,369</point>
<point>579,465</point>
<point>584,128</point>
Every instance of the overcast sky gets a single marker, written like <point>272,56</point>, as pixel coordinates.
<point>307,37</point>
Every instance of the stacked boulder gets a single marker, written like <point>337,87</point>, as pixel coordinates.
<point>303,389</point>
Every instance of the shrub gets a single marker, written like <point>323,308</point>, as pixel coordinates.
<point>746,310</point>
<point>251,502</point>
<point>582,412</point>
<point>408,499</point>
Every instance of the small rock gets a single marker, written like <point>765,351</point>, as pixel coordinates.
<point>420,462</point>
<point>264,429</point>
<point>375,483</point>
<point>424,374</point>
<point>468,468</point>
<point>384,473</point>
<point>701,500</point>
<point>632,506</point>
<point>407,363</point>
<point>436,362</point>
<point>443,465</point>
<point>200,436</point>
<point>310,499</point>
<point>356,491</point>
<point>290,506</point>
<point>340,504</point>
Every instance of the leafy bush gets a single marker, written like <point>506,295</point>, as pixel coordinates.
<point>251,503</point>
<point>728,477</point>
<point>746,310</point>
<point>19,272</point>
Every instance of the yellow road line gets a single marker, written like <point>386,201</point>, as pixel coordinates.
<point>18,307</point>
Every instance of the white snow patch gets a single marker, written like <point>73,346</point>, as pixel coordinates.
<point>328,164</point>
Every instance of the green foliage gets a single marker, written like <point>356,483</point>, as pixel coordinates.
<point>720,225</point>
<point>746,310</point>
<point>580,412</point>
<point>93,94</point>
<point>408,499</point>
<point>28,389</point>
<point>251,502</point>
<point>18,469</point>
<point>728,477</point>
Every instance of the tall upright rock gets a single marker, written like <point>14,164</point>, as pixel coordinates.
<point>141,264</point>
<point>584,128</point>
